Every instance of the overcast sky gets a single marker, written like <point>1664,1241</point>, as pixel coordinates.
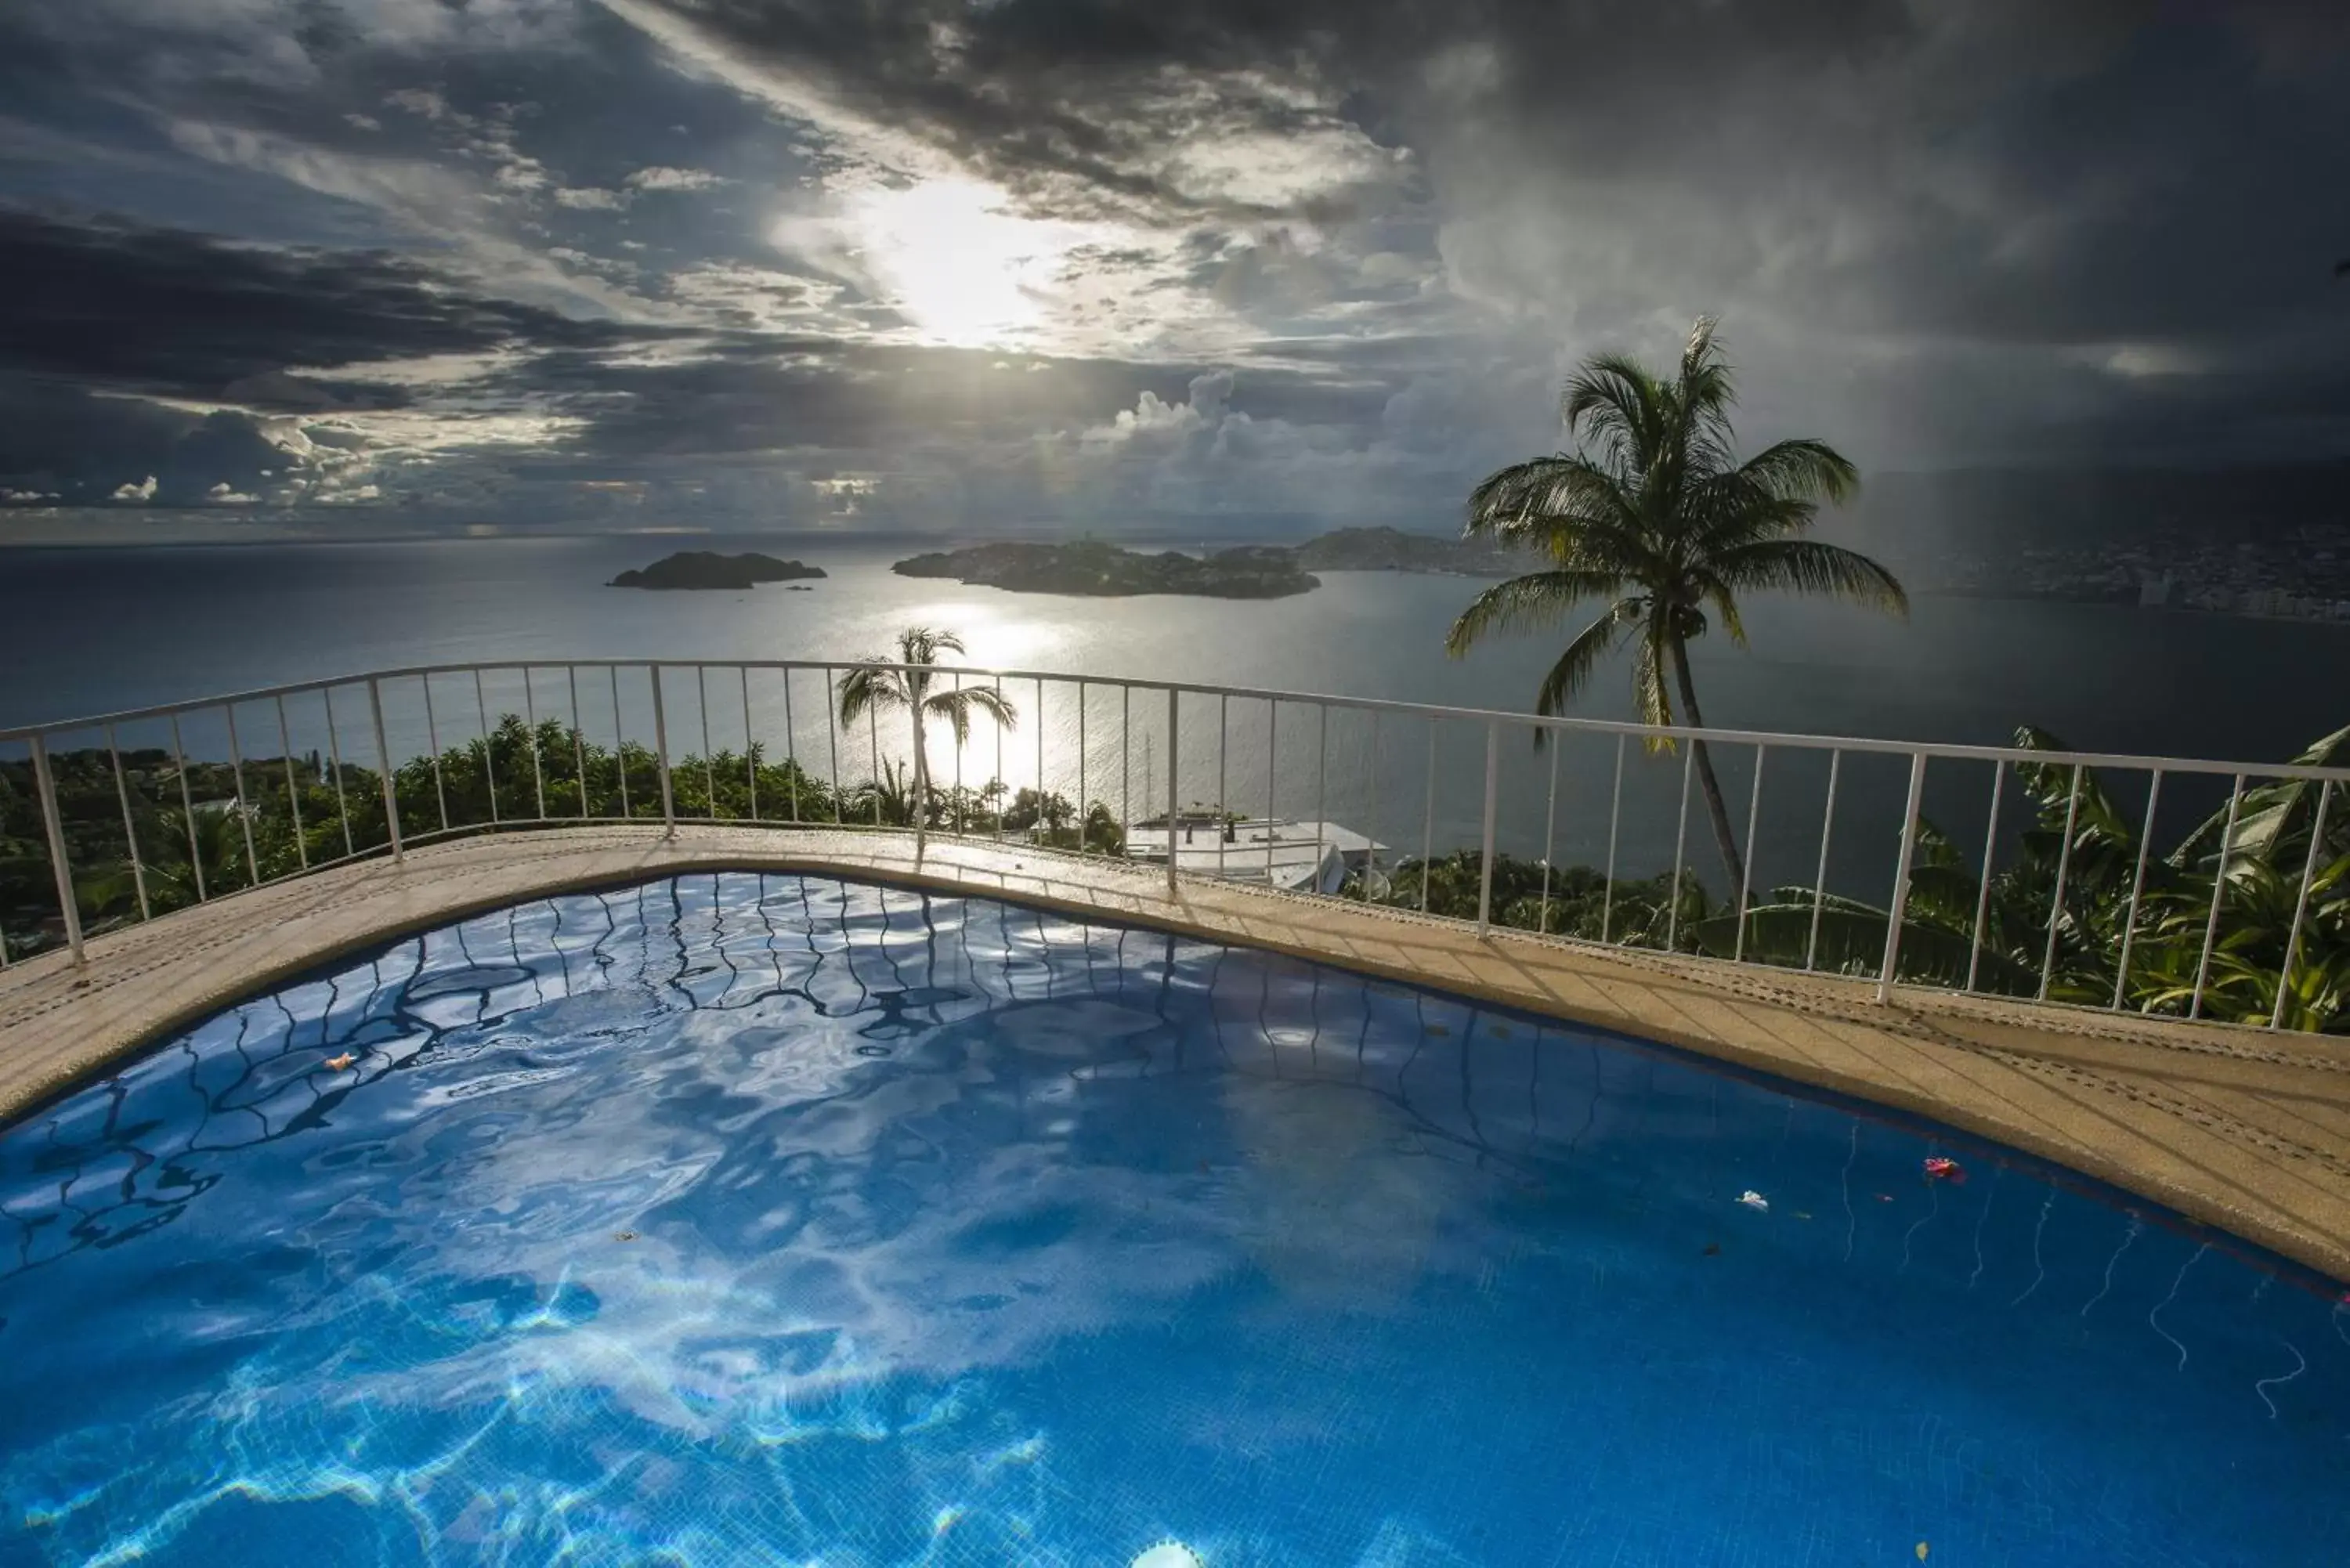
<point>997,264</point>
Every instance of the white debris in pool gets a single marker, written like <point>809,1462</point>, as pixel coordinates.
<point>1753,1200</point>
<point>1169,1555</point>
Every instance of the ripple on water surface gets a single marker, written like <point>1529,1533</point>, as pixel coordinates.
<point>743,1220</point>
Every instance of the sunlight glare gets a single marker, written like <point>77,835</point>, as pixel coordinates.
<point>963,268</point>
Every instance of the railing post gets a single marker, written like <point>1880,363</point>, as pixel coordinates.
<point>1900,908</point>
<point>660,747</point>
<point>2219,894</point>
<point>383,760</point>
<point>921,797</point>
<point>2300,904</point>
<point>55,828</point>
<point>1485,861</point>
<point>1174,770</point>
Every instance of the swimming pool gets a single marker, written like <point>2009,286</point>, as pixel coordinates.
<point>749,1220</point>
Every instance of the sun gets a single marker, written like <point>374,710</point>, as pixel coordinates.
<point>965,270</point>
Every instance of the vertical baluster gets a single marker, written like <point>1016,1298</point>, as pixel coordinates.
<point>702,707</point>
<point>661,753</point>
<point>998,779</point>
<point>791,747</point>
<point>432,739</point>
<point>2137,886</point>
<point>873,737</point>
<point>188,809</point>
<point>962,734</point>
<point>1223,753</point>
<point>1428,819</point>
<point>578,735</point>
<point>2056,903</point>
<point>130,829</point>
<point>1550,831</point>
<point>293,786</point>
<point>1173,779</point>
<point>1272,814</point>
<point>1614,821</point>
<point>1082,847</point>
<point>244,811</point>
<point>2300,903</point>
<point>530,728</point>
<point>1680,847</point>
<point>750,752</point>
<point>1125,765</point>
<point>489,763</point>
<point>1746,870</point>
<point>1990,855</point>
<point>1890,967</point>
<point>1370,854</point>
<point>1321,790</point>
<point>383,762</point>
<point>53,826</point>
<point>1040,819</point>
<point>832,743</point>
<point>2219,891</point>
<point>619,744</point>
<point>920,781</point>
<point>1493,799</point>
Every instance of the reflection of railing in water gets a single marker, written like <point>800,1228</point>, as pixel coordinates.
<point>1541,1106</point>
<point>2074,909</point>
<point>282,1085</point>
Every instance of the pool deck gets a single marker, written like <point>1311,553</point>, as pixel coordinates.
<point>2245,1131</point>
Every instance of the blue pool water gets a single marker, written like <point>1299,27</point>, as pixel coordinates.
<point>743,1220</point>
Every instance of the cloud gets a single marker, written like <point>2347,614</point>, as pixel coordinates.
<point>141,493</point>
<point>969,263</point>
<point>666,179</point>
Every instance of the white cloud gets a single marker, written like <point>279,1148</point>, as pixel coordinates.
<point>661,178</point>
<point>591,199</point>
<point>221,494</point>
<point>141,493</point>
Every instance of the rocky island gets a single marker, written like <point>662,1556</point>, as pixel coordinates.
<point>1099,570</point>
<point>1393,550</point>
<point>708,570</point>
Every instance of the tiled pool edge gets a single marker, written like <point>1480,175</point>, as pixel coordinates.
<point>2249,1134</point>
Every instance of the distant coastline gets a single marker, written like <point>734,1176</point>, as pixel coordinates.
<point>699,569</point>
<point>1094,568</point>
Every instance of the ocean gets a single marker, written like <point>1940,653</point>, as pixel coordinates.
<point>87,631</point>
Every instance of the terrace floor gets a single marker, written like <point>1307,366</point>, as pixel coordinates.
<point>2245,1131</point>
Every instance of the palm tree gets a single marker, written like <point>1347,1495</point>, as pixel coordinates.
<point>1654,515</point>
<point>875,684</point>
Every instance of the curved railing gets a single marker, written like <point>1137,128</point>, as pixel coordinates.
<point>2160,884</point>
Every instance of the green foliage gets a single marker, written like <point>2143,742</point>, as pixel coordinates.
<point>1655,518</point>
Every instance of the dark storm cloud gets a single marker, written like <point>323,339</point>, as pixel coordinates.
<point>116,304</point>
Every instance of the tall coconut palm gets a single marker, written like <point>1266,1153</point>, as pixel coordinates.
<point>874,684</point>
<point>1654,517</point>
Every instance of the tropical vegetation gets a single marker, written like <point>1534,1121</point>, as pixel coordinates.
<point>1654,517</point>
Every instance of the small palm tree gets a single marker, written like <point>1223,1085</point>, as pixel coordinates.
<point>875,684</point>
<point>1655,514</point>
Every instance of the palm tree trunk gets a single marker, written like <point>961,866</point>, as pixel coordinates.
<point>1722,836</point>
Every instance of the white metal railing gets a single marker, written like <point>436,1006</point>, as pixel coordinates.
<point>2084,941</point>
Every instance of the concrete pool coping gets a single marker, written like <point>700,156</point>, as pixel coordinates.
<point>2246,1132</point>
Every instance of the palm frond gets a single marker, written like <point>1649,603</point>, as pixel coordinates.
<point>1590,644</point>
<point>1810,567</point>
<point>1537,599</point>
<point>956,708</point>
<point>872,684</point>
<point>1801,470</point>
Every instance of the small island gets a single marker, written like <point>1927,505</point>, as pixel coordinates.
<point>1393,550</point>
<point>1104,571</point>
<point>708,570</point>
